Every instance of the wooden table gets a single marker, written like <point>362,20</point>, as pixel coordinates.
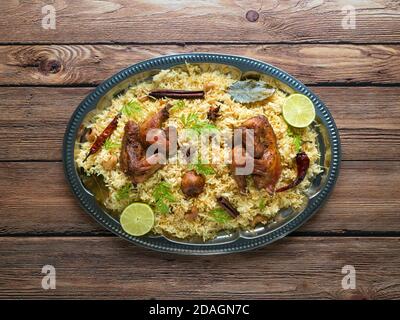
<point>45,73</point>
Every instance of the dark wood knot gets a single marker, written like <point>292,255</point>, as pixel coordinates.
<point>252,15</point>
<point>50,66</point>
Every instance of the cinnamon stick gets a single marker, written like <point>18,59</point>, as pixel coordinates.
<point>228,207</point>
<point>177,94</point>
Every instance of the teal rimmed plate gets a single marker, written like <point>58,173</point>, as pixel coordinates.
<point>285,222</point>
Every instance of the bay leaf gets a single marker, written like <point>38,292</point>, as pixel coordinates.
<point>248,91</point>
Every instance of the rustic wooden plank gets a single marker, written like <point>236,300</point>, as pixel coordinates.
<point>33,120</point>
<point>35,199</point>
<point>111,268</point>
<point>200,21</point>
<point>91,64</point>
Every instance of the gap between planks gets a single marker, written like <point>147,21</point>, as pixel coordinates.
<point>193,43</point>
<point>316,84</point>
<point>298,234</point>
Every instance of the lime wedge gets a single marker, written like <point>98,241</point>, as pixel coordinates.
<point>137,219</point>
<point>298,111</point>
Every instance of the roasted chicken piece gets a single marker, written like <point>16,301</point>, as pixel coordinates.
<point>135,143</point>
<point>133,159</point>
<point>170,144</point>
<point>239,160</point>
<point>267,160</point>
<point>154,122</point>
<point>263,134</point>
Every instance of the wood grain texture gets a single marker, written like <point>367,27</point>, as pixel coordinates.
<point>200,21</point>
<point>308,268</point>
<point>368,119</point>
<point>36,200</point>
<point>42,223</point>
<point>91,64</point>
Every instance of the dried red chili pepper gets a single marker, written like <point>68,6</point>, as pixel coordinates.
<point>107,132</point>
<point>302,162</point>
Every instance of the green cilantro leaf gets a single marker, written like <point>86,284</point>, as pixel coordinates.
<point>297,142</point>
<point>262,204</point>
<point>189,120</point>
<point>131,108</point>
<point>108,145</point>
<point>192,121</point>
<point>162,195</point>
<point>296,139</point>
<point>202,168</point>
<point>219,215</point>
<point>123,193</point>
<point>179,105</point>
<point>162,207</point>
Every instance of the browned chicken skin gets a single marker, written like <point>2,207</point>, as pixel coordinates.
<point>192,184</point>
<point>133,159</point>
<point>154,122</point>
<point>267,160</point>
<point>239,160</point>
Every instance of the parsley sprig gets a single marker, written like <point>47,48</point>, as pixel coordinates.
<point>296,139</point>
<point>192,121</point>
<point>162,195</point>
<point>263,204</point>
<point>131,108</point>
<point>178,105</point>
<point>123,193</point>
<point>220,215</point>
<point>108,144</point>
<point>202,168</point>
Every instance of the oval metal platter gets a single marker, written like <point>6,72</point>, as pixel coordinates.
<point>285,222</point>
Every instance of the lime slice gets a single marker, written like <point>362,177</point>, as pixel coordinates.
<point>137,219</point>
<point>298,111</point>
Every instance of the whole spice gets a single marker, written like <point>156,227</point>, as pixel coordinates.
<point>192,184</point>
<point>101,139</point>
<point>248,91</point>
<point>192,214</point>
<point>228,207</point>
<point>213,113</point>
<point>177,94</point>
<point>302,163</point>
<point>110,163</point>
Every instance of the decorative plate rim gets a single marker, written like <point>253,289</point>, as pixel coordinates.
<point>162,244</point>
